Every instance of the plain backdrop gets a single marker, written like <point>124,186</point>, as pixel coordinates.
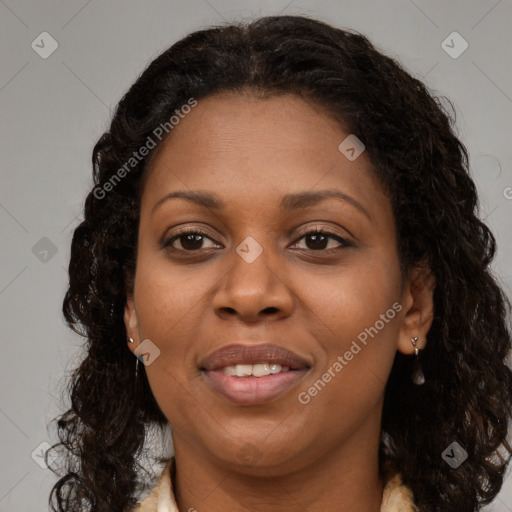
<point>53,108</point>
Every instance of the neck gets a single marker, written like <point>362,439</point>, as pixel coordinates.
<point>345,479</point>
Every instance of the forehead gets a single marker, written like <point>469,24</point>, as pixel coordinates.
<point>238,123</point>
<point>239,144</point>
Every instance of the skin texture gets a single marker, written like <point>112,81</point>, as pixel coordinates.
<point>250,152</point>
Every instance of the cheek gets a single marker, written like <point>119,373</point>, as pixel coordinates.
<point>355,316</point>
<point>169,304</point>
<point>353,298</point>
<point>167,298</point>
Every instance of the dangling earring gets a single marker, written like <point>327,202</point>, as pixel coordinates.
<point>130,340</point>
<point>417,373</point>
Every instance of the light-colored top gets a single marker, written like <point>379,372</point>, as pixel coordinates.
<point>397,497</point>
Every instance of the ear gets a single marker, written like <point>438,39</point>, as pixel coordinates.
<point>418,312</point>
<point>131,323</point>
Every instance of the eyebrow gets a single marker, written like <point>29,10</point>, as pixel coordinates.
<point>299,200</point>
<point>289,202</point>
<point>204,199</point>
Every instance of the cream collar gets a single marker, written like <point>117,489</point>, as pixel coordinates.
<point>396,497</point>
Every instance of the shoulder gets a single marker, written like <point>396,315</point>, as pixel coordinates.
<point>161,498</point>
<point>397,497</point>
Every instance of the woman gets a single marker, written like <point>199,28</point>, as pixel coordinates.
<point>283,230</point>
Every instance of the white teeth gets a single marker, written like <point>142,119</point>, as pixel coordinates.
<point>256,370</point>
<point>275,368</point>
<point>243,370</point>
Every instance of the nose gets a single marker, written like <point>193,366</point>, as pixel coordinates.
<point>253,291</point>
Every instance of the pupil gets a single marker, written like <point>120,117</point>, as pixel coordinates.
<point>191,242</point>
<point>319,241</point>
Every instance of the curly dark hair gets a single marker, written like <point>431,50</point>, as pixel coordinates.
<point>410,139</point>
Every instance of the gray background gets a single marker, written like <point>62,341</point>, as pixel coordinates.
<point>53,110</point>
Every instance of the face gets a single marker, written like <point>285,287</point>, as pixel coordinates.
<point>271,263</point>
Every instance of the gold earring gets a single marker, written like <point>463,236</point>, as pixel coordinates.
<point>413,341</point>
<point>418,377</point>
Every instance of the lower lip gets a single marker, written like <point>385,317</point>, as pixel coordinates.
<point>253,390</point>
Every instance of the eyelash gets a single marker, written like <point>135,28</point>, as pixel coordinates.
<point>315,231</point>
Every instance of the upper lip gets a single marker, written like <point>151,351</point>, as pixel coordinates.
<point>231,355</point>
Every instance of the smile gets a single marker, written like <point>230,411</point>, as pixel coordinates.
<point>248,374</point>
<point>255,370</point>
<point>250,389</point>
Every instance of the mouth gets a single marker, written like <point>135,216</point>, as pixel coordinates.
<point>253,374</point>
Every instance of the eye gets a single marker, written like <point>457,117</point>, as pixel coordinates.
<point>318,239</point>
<point>190,240</point>
<point>321,240</point>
